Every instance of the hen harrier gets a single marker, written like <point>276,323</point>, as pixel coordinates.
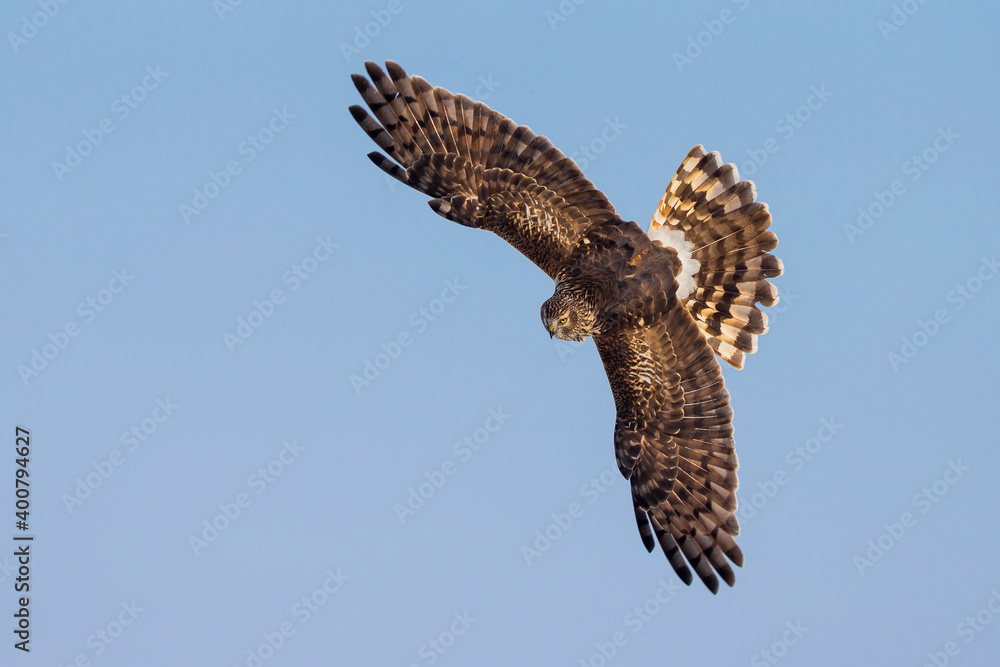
<point>658,304</point>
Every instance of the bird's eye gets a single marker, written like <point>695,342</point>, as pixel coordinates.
<point>562,320</point>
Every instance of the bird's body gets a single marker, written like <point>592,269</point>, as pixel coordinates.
<point>659,304</point>
<point>615,274</point>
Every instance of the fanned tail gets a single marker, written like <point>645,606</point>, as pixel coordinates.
<point>720,234</point>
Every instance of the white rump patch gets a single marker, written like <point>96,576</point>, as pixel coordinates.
<point>674,238</point>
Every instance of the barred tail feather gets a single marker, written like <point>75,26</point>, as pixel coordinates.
<point>709,217</point>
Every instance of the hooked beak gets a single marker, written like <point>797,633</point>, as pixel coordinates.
<point>552,331</point>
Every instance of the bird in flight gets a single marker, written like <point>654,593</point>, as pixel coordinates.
<point>660,304</point>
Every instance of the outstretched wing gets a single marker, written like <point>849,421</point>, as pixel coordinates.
<point>481,169</point>
<point>709,216</point>
<point>674,442</point>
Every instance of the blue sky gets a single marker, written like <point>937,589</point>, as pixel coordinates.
<point>197,258</point>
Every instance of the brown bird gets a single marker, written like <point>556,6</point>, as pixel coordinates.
<point>659,304</point>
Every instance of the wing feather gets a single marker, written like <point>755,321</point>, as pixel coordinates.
<point>674,442</point>
<point>479,168</point>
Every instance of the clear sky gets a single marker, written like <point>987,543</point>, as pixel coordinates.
<point>197,258</point>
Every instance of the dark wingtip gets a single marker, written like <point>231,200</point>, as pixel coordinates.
<point>645,530</point>
<point>395,71</point>
<point>358,113</point>
<point>388,166</point>
<point>361,83</point>
<point>736,555</point>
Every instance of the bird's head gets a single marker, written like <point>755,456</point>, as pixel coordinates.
<point>566,318</point>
